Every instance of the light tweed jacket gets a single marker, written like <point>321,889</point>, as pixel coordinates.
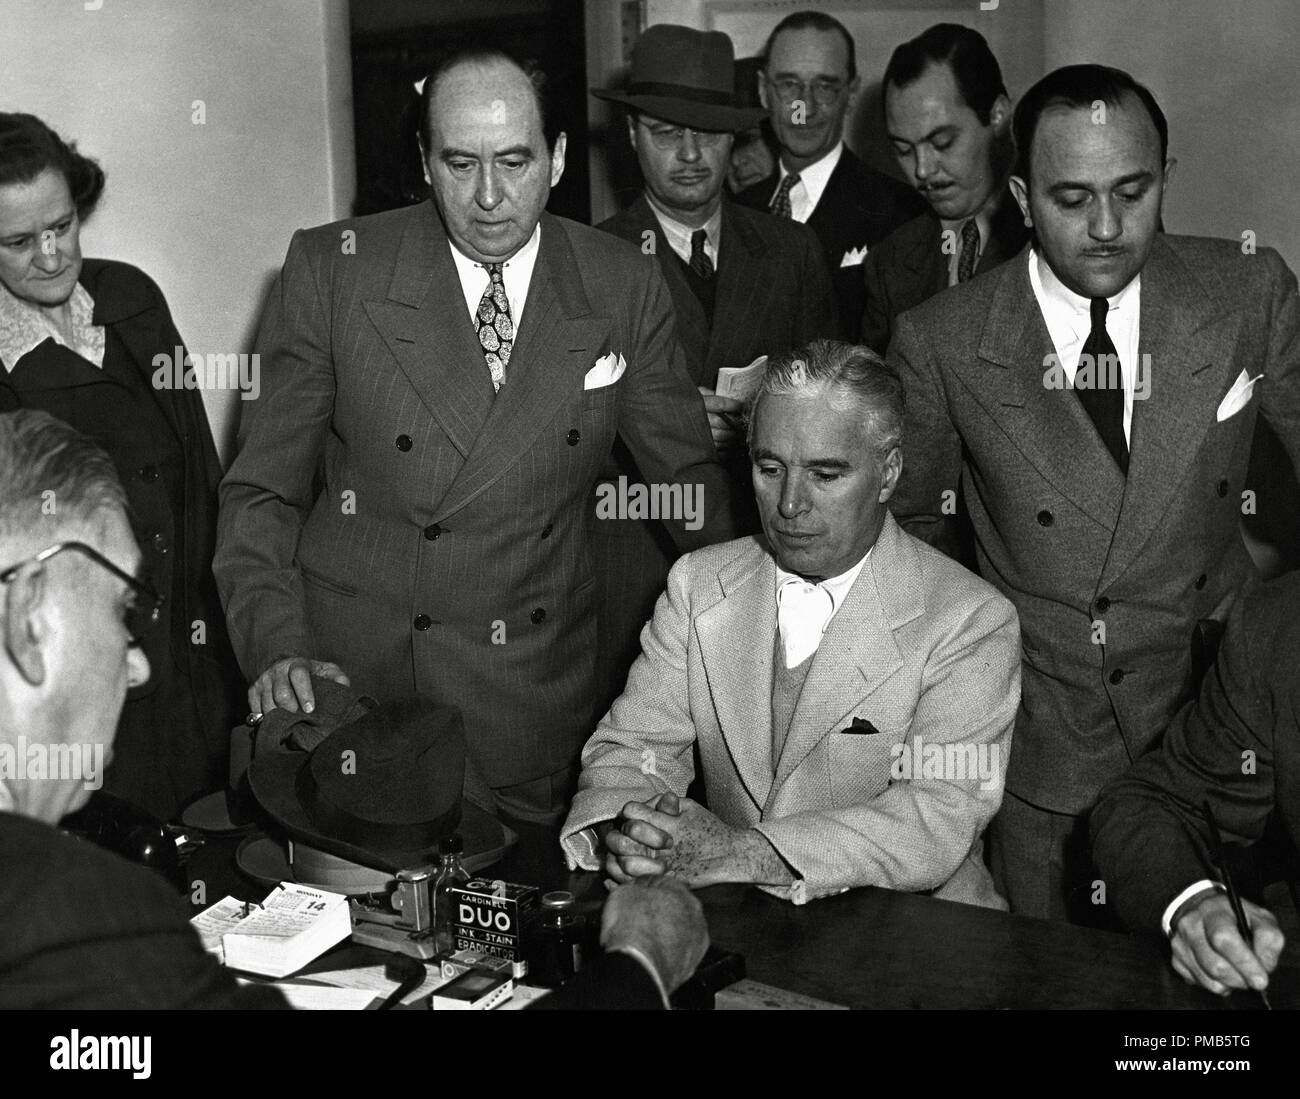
<point>920,648</point>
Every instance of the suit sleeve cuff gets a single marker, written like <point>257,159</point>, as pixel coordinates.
<point>580,850</point>
<point>1166,921</point>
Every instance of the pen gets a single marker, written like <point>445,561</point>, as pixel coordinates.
<point>1221,861</point>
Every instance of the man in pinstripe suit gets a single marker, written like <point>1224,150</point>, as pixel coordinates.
<point>458,372</point>
<point>851,690</point>
<point>743,284</point>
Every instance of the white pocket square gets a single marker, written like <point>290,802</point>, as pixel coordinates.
<point>1238,396</point>
<point>854,257</point>
<point>607,371</point>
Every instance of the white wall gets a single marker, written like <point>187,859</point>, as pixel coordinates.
<point>207,210</point>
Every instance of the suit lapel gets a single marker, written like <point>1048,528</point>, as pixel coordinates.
<point>739,255</point>
<point>557,343</point>
<point>925,268</point>
<point>428,330</point>
<point>692,325</point>
<point>1186,335</point>
<point>736,636</point>
<point>1048,426</point>
<point>858,653</point>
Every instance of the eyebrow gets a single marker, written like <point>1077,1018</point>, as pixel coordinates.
<point>513,150</point>
<point>812,463</point>
<point>946,129</point>
<point>71,212</point>
<point>1133,177</point>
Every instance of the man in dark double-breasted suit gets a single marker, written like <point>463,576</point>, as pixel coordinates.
<point>456,373</point>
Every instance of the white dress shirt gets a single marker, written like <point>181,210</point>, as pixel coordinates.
<point>678,234</point>
<point>516,273</point>
<point>805,194</point>
<point>1069,320</point>
<point>802,623</point>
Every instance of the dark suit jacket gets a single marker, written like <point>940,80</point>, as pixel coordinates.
<point>448,553</point>
<point>909,266</point>
<point>1059,530</point>
<point>1150,839</point>
<point>84,929</point>
<point>858,209</point>
<point>773,294</point>
<point>613,982</point>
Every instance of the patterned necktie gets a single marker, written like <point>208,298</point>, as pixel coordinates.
<point>970,250</point>
<point>700,262</point>
<point>1102,400</point>
<point>780,204</point>
<point>496,331</point>
<point>802,611</point>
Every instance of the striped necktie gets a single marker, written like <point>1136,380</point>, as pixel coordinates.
<point>700,262</point>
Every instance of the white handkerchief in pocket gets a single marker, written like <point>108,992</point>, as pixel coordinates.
<point>1238,396</point>
<point>607,371</point>
<point>854,257</point>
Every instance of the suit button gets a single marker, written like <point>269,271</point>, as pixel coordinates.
<point>148,474</point>
<point>546,530</point>
<point>1117,676</point>
<point>1200,581</point>
<point>1103,604</point>
<point>573,436</point>
<point>423,622</point>
<point>432,531</point>
<point>1045,518</point>
<point>404,443</point>
<point>1223,488</point>
<point>160,543</point>
<point>538,616</point>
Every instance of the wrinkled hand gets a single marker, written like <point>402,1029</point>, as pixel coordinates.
<point>635,848</point>
<point>725,415</point>
<point>287,684</point>
<point>660,918</point>
<point>1208,950</point>
<point>696,846</point>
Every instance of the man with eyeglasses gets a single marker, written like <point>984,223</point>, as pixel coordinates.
<point>72,612</point>
<point>808,81</point>
<point>743,284</point>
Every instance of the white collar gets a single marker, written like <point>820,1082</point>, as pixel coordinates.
<point>813,179</point>
<point>516,273</point>
<point>837,587</point>
<point>678,234</point>
<point>23,327</point>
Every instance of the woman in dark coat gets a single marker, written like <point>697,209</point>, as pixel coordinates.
<point>79,339</point>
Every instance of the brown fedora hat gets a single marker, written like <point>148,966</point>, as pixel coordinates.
<point>686,77</point>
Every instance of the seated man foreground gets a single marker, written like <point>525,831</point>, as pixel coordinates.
<point>851,690</point>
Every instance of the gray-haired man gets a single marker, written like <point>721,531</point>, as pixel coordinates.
<point>851,691</point>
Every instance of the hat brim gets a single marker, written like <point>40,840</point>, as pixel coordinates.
<point>685,112</point>
<point>273,779</point>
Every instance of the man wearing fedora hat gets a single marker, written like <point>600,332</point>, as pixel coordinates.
<point>743,284</point>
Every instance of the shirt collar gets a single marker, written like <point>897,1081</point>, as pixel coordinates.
<point>1063,301</point>
<point>679,234</point>
<point>23,327</point>
<point>837,587</point>
<point>516,273</point>
<point>816,175</point>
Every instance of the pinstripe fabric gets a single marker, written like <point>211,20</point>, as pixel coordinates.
<point>438,499</point>
<point>773,293</point>
<point>921,647</point>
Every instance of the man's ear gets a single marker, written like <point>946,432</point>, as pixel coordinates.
<point>855,85</point>
<point>1020,189</point>
<point>890,471</point>
<point>26,623</point>
<point>761,77</point>
<point>424,161</point>
<point>557,158</point>
<point>1000,115</point>
<point>1170,164</point>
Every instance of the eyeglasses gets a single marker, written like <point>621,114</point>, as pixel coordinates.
<point>788,89</point>
<point>144,608</point>
<point>669,137</point>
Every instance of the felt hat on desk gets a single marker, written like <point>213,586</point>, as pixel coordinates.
<point>686,77</point>
<point>381,790</point>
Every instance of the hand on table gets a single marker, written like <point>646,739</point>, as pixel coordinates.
<point>725,415</point>
<point>659,919</point>
<point>1208,950</point>
<point>287,684</point>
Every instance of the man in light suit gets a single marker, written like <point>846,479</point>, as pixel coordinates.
<point>743,284</point>
<point>458,372</point>
<point>850,690</point>
<point>1094,399</point>
<point>949,119</point>
<point>809,80</point>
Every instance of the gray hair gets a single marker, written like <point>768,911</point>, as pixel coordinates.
<point>52,477</point>
<point>855,374</point>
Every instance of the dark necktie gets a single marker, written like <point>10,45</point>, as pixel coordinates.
<point>1103,398</point>
<point>700,262</point>
<point>780,204</point>
<point>496,331</point>
<point>970,250</point>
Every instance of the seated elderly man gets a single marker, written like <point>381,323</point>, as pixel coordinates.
<point>1236,747</point>
<point>851,691</point>
<point>79,927</point>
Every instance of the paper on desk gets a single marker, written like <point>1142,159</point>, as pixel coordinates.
<point>215,921</point>
<point>740,382</point>
<point>307,997</point>
<point>372,979</point>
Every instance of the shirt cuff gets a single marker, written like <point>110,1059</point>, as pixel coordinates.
<point>580,850</point>
<point>1166,921</point>
<point>633,952</point>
